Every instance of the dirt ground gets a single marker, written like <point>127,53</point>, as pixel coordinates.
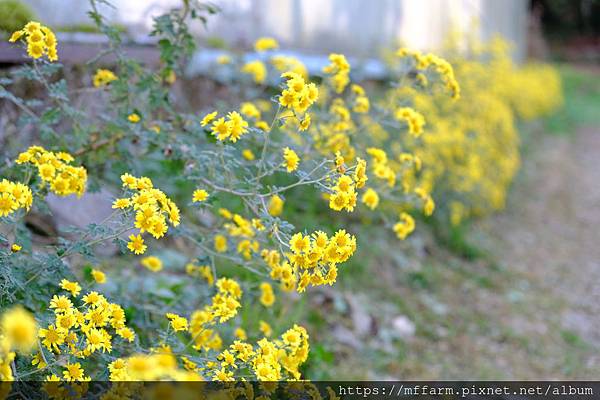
<point>528,309</point>
<point>549,235</point>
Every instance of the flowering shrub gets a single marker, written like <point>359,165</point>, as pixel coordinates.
<point>470,149</point>
<point>227,179</point>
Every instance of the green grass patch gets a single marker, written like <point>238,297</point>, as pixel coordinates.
<point>454,238</point>
<point>581,89</point>
<point>572,338</point>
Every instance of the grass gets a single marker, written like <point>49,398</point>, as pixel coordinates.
<point>581,89</point>
<point>454,238</point>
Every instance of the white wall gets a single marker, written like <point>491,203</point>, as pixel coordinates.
<point>358,27</point>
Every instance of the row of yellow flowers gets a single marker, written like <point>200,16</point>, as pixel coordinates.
<point>443,130</point>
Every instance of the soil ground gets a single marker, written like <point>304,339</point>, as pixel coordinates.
<point>549,235</point>
<point>527,307</point>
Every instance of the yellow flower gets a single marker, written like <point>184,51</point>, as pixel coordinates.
<point>237,126</point>
<point>299,243</point>
<point>94,298</point>
<point>257,224</point>
<point>415,120</point>
<point>221,129</point>
<point>344,196</point>
<point>126,333</point>
<point>134,118</point>
<point>223,376</point>
<point>265,328</point>
<point>189,365</point>
<point>20,329</point>
<point>152,209</point>
<point>52,338</point>
<point>47,172</point>
<point>262,125</point>
<point>344,184</point>
<point>267,297</point>
<point>275,207</point>
<point>316,256</point>
<point>208,118</point>
<point>339,70</point>
<point>240,334</point>
<point>257,69</point>
<point>265,43</point>
<point>15,248</point>
<point>36,37</point>
<point>99,276</point>
<point>155,128</point>
<point>199,195</point>
<point>7,204</point>
<point>136,244</point>
<point>223,59</point>
<point>305,123</point>
<point>248,154</point>
<point>32,27</point>
<point>61,303</point>
<point>52,54</point>
<point>16,36</point>
<point>97,339</point>
<point>225,213</point>
<point>103,77</point>
<point>339,162</point>
<point>38,361</point>
<point>291,159</point>
<point>117,368</point>
<point>227,359</point>
<point>69,286</point>
<point>428,203</point>
<point>429,206</point>
<point>249,110</point>
<point>52,378</point>
<point>370,198</point>
<point>361,105</point>
<point>129,181</point>
<point>405,226</point>
<point>66,321</point>
<point>220,243</point>
<point>287,98</point>
<point>152,263</point>
<point>200,270</point>
<point>171,77</point>
<point>40,40</point>
<point>298,96</point>
<point>178,323</point>
<point>360,173</point>
<point>284,63</point>
<point>292,338</point>
<point>74,373</point>
<point>121,203</point>
<point>55,171</point>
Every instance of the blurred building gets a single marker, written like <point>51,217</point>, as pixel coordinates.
<point>355,27</point>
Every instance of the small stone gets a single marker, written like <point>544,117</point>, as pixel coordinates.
<point>403,327</point>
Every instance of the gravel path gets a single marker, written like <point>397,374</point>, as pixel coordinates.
<point>550,233</point>
<point>529,309</point>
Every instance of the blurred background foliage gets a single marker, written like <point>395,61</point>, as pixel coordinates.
<point>13,15</point>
